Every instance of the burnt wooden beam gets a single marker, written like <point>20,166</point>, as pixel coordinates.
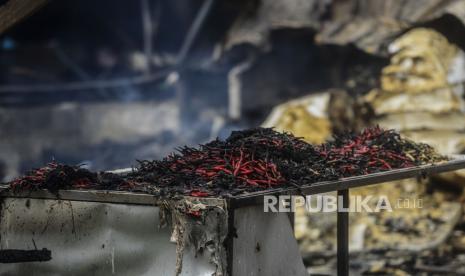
<point>13,11</point>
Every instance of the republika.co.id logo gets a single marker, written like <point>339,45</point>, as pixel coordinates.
<point>329,203</point>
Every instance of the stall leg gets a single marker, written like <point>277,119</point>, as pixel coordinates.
<point>343,234</point>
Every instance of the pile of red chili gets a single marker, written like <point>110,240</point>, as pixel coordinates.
<point>249,160</point>
<point>374,150</point>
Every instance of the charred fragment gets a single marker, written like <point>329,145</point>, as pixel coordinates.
<point>21,256</point>
<point>199,225</point>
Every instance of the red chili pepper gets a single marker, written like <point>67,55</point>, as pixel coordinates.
<point>194,213</point>
<point>197,193</point>
<point>385,164</point>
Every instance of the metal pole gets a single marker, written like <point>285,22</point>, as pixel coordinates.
<point>291,216</point>
<point>343,234</point>
<point>194,30</point>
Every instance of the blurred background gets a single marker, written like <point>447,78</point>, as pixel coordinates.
<point>105,83</point>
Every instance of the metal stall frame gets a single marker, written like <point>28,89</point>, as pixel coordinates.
<point>341,186</point>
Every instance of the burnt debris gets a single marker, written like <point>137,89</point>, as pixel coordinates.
<point>249,160</point>
<point>55,176</point>
<point>22,256</point>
